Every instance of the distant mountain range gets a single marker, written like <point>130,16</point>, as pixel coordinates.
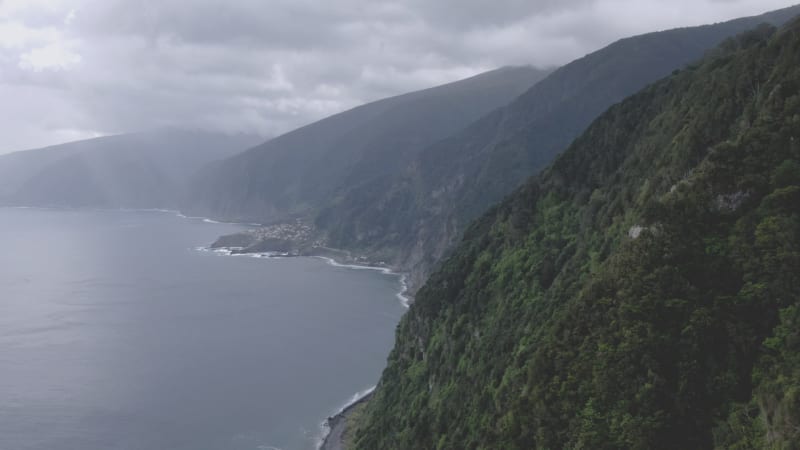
<point>137,170</point>
<point>304,171</point>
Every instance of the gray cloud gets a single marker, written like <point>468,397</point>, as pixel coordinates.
<point>72,69</point>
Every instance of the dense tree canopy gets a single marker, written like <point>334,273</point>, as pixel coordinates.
<point>643,292</point>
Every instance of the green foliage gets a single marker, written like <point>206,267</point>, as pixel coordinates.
<point>643,292</point>
<point>417,214</point>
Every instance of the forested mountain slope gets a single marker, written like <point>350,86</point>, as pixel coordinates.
<point>136,170</point>
<point>414,217</point>
<point>642,292</point>
<point>299,172</point>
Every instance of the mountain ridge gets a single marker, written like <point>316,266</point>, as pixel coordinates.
<point>414,218</point>
<point>297,173</point>
<point>638,293</point>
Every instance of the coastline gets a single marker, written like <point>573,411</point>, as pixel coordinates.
<point>332,429</point>
<point>335,426</point>
<point>402,295</point>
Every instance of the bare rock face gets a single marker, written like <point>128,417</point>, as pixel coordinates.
<point>635,231</point>
<point>730,202</point>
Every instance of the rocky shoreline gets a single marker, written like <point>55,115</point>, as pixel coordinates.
<point>297,239</point>
<point>337,425</point>
<point>292,239</point>
<point>301,238</point>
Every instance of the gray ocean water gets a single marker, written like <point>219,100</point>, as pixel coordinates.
<point>117,333</point>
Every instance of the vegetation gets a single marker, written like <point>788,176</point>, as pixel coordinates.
<point>414,217</point>
<point>643,292</point>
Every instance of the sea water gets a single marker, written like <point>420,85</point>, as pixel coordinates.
<point>118,332</point>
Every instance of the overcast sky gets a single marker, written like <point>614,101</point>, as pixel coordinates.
<point>73,69</point>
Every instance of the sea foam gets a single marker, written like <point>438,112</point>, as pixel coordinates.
<point>325,428</point>
<point>401,295</point>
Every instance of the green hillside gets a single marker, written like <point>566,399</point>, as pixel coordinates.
<point>642,292</point>
<point>418,214</point>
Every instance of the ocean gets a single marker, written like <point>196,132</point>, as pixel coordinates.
<point>118,331</point>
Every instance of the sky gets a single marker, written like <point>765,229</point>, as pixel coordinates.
<point>76,69</point>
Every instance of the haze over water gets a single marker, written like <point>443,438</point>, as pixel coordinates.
<point>116,333</point>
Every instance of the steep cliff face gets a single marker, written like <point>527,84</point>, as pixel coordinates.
<point>296,174</point>
<point>414,217</point>
<point>642,292</point>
